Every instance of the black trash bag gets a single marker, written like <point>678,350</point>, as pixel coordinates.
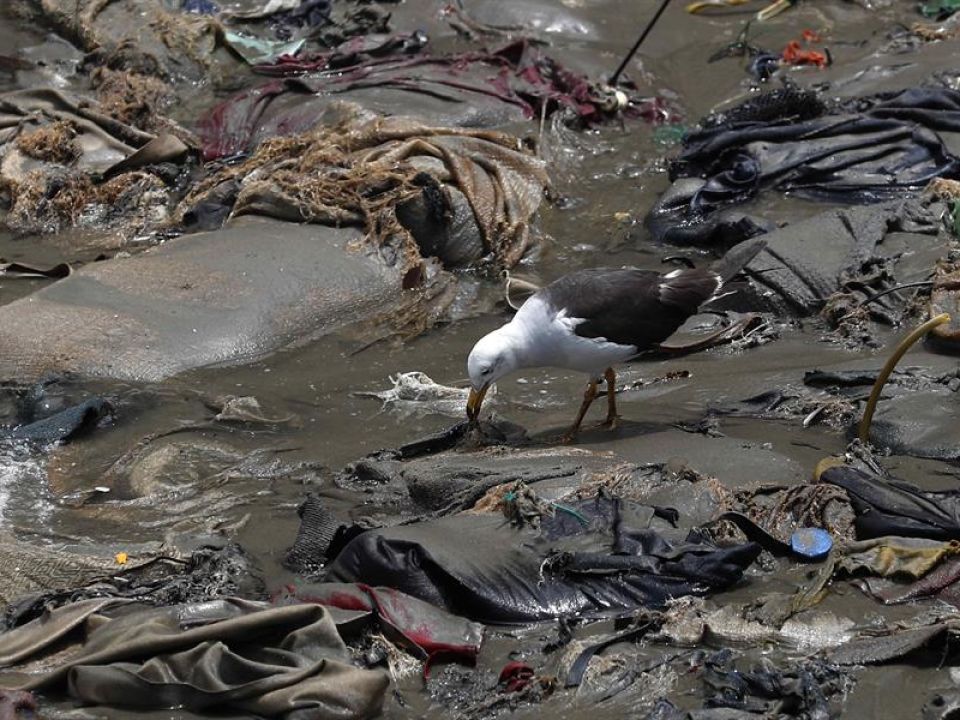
<point>891,507</point>
<point>592,556</point>
<point>871,150</point>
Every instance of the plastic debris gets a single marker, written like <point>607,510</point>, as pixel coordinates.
<point>416,392</point>
<point>200,7</point>
<point>940,10</point>
<point>669,135</point>
<point>811,543</point>
<point>256,51</point>
<point>797,52</point>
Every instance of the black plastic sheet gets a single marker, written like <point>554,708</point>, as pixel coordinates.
<point>872,150</point>
<point>596,556</point>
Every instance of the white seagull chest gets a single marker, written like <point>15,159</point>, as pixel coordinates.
<point>549,340</point>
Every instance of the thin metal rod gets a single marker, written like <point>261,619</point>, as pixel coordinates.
<point>636,45</point>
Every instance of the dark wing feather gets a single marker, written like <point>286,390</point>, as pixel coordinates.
<point>631,307</point>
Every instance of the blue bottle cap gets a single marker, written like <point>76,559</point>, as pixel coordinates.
<point>812,543</point>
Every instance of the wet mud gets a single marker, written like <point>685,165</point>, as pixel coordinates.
<point>179,335</point>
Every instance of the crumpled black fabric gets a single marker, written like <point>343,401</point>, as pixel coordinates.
<point>891,507</point>
<point>872,150</point>
<point>233,654</point>
<point>589,557</point>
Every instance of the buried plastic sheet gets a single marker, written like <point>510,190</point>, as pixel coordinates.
<point>135,322</point>
<point>733,691</point>
<point>847,251</point>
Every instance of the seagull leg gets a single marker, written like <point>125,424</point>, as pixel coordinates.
<point>611,377</point>
<point>588,395</point>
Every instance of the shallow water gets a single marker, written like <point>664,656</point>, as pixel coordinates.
<point>604,174</point>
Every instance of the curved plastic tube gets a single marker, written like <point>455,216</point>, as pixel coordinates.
<point>881,380</point>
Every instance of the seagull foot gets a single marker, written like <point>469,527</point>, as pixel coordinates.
<point>611,423</point>
<point>567,438</point>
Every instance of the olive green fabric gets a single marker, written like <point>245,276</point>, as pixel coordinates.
<point>235,654</point>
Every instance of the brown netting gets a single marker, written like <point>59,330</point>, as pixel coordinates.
<point>54,142</point>
<point>132,98</point>
<point>47,202</point>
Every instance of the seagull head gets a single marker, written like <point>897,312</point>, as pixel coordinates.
<point>492,357</point>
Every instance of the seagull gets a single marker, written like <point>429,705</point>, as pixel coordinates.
<point>591,320</point>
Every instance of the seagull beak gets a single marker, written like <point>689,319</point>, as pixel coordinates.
<point>475,401</point>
